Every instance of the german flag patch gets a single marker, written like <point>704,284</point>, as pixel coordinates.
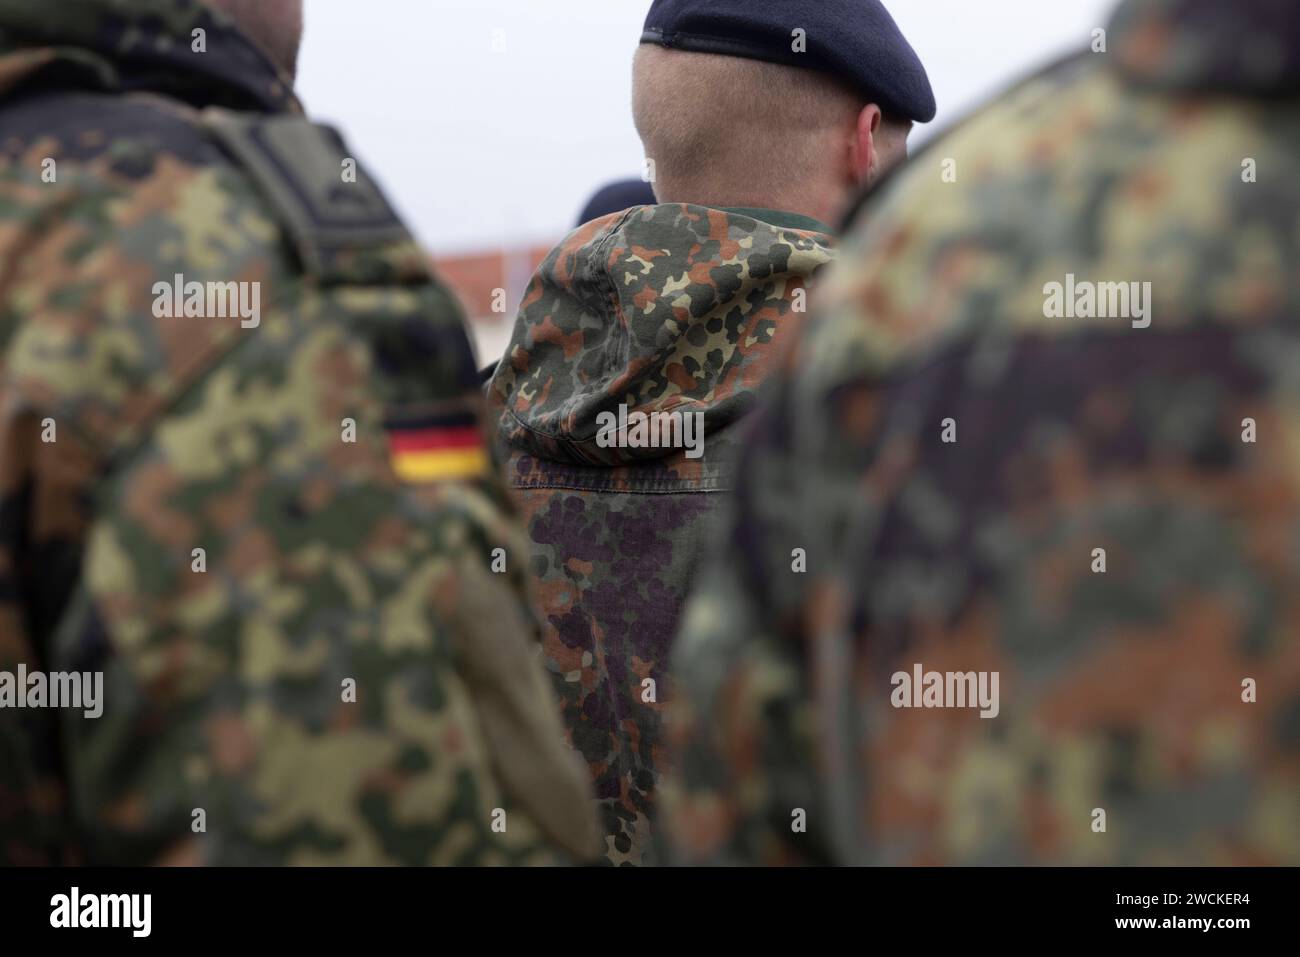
<point>437,448</point>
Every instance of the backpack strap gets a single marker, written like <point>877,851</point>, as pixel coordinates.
<point>336,224</point>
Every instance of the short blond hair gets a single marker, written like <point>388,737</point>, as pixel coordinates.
<point>712,124</point>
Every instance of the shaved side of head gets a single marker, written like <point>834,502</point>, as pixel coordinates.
<point>729,131</point>
<point>274,25</point>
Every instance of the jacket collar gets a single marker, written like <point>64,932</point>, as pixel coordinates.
<point>1235,47</point>
<point>140,46</point>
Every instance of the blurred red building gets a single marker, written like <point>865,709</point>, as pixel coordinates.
<point>475,278</point>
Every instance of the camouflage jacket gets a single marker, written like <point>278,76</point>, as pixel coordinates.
<point>1094,502</point>
<point>661,311</point>
<point>304,656</point>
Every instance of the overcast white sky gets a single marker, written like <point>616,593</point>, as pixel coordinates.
<point>490,122</point>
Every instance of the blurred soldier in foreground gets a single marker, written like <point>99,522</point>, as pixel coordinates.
<point>643,338</point>
<point>242,487</point>
<point>1049,525</point>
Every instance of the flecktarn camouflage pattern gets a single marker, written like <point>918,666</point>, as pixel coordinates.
<point>269,532</point>
<point>1040,455</point>
<point>659,312</point>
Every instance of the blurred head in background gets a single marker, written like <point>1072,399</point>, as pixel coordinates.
<point>616,197</point>
<point>274,25</point>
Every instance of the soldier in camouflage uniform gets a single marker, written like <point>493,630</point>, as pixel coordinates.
<point>679,309</point>
<point>1103,511</point>
<point>271,534</point>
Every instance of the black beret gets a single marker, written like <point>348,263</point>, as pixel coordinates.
<point>856,41</point>
<point>617,197</point>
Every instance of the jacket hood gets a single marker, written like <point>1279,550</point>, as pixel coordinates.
<point>658,309</point>
<point>138,46</point>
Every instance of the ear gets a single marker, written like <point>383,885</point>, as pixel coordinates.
<point>863,158</point>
